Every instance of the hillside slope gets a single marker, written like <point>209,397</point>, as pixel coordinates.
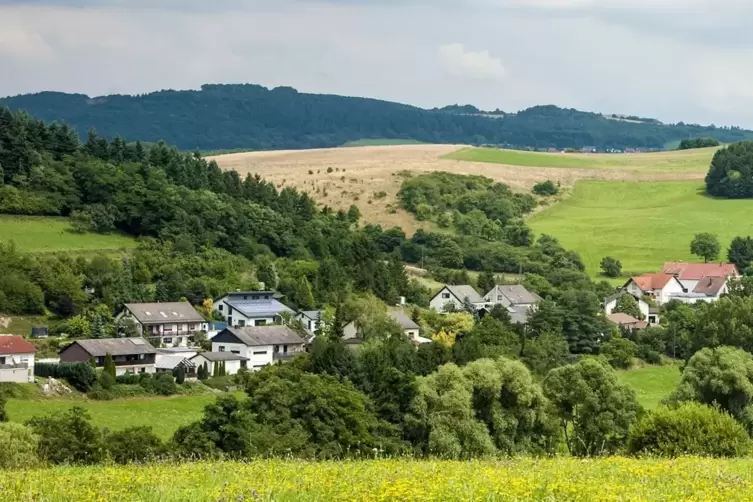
<point>253,117</point>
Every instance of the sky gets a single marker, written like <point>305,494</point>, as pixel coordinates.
<point>688,60</point>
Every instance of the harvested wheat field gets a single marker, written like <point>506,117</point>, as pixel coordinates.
<point>370,176</point>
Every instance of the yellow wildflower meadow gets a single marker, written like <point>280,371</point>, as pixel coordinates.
<point>561,479</point>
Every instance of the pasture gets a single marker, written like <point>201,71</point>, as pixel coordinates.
<point>523,479</point>
<point>47,234</point>
<point>164,414</point>
<point>651,383</point>
<point>641,224</point>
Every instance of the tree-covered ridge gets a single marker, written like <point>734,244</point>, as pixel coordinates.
<point>253,117</point>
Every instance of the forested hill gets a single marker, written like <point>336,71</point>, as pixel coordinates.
<point>253,117</point>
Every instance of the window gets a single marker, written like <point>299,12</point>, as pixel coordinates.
<point>277,349</point>
<point>167,339</point>
<point>499,297</point>
<point>167,327</point>
<point>243,364</point>
<point>652,319</point>
<point>261,322</point>
<point>260,353</point>
<point>445,296</point>
<point>237,352</point>
<point>229,321</point>
<point>221,348</point>
<point>241,323</point>
<point>221,307</point>
<point>266,297</point>
<point>142,370</point>
<point>284,349</point>
<point>2,360</point>
<point>142,356</point>
<point>245,297</point>
<point>193,327</point>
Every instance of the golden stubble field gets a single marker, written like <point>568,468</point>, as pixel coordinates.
<point>369,176</point>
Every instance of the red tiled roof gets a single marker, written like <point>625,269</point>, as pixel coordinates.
<point>650,282</point>
<point>697,271</point>
<point>12,344</point>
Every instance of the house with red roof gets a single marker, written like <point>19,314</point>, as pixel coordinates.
<point>16,359</point>
<point>660,287</point>
<point>690,274</point>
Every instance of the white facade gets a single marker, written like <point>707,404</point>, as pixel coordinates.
<point>661,295</point>
<point>445,297</point>
<point>231,367</point>
<point>21,368</point>
<point>642,306</point>
<point>258,356</point>
<point>135,368</point>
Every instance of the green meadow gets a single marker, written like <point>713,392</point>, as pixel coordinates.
<point>685,160</point>
<point>642,224</point>
<point>47,234</point>
<point>652,383</point>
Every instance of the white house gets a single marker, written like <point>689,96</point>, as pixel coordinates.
<point>233,362</point>
<point>251,308</point>
<point>512,296</point>
<point>165,363</point>
<point>130,355</point>
<point>690,274</point>
<point>261,345</point>
<point>174,323</point>
<point>708,289</point>
<point>407,325</point>
<point>311,320</point>
<point>16,359</point>
<point>455,296</point>
<point>658,286</point>
<point>610,303</point>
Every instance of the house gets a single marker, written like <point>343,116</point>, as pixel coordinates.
<point>311,320</point>
<point>130,355</point>
<point>261,345</point>
<point>689,274</point>
<point>708,289</point>
<point>515,295</point>
<point>233,362</point>
<point>627,321</point>
<point>452,298</point>
<point>407,325</point>
<point>16,359</point>
<point>251,308</point>
<point>168,363</point>
<point>658,286</point>
<point>649,313</point>
<point>174,323</point>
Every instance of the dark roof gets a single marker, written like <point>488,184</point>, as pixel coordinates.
<point>254,336</point>
<point>462,292</point>
<point>517,294</point>
<point>620,293</point>
<point>220,356</point>
<point>519,314</point>
<point>710,286</point>
<point>12,344</point>
<point>314,315</point>
<point>403,320</point>
<point>115,346</point>
<point>258,308</point>
<point>161,313</point>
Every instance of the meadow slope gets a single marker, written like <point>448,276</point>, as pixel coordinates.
<point>570,479</point>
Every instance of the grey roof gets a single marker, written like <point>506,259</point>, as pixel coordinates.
<point>710,286</point>
<point>314,315</point>
<point>164,362</point>
<point>463,292</point>
<point>161,313</point>
<point>254,336</point>
<point>618,294</point>
<point>220,356</point>
<point>517,294</point>
<point>258,308</point>
<point>403,320</point>
<point>519,314</point>
<point>116,346</point>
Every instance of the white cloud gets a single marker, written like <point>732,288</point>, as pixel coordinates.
<point>459,62</point>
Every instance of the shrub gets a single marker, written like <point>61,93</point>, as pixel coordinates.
<point>80,375</point>
<point>611,267</point>
<point>690,429</point>
<point>135,444</point>
<point>106,381</point>
<point>329,170</point>
<point>3,413</point>
<point>545,188</point>
<point>164,385</point>
<point>18,447</point>
<point>68,438</point>
<point>619,352</point>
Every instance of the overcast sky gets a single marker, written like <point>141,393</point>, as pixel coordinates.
<point>689,60</point>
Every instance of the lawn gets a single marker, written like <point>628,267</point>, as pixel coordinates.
<point>641,224</point>
<point>685,160</point>
<point>164,414</point>
<point>524,479</point>
<point>652,383</point>
<point>44,234</point>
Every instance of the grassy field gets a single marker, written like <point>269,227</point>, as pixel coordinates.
<point>685,160</point>
<point>652,383</point>
<point>165,415</point>
<point>43,234</point>
<point>641,224</point>
<point>558,479</point>
<point>383,142</point>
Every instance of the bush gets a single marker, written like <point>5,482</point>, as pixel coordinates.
<point>619,352</point>
<point>545,188</point>
<point>611,267</point>
<point>80,375</point>
<point>106,381</point>
<point>135,444</point>
<point>18,447</point>
<point>164,385</point>
<point>690,429</point>
<point>68,438</point>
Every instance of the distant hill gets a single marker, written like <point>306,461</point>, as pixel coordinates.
<point>254,117</point>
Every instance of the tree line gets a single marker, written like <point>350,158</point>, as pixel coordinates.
<point>252,117</point>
